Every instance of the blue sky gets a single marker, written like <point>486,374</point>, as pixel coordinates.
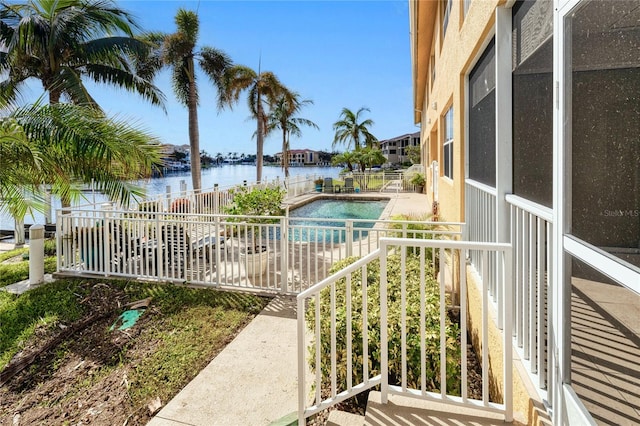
<point>336,53</point>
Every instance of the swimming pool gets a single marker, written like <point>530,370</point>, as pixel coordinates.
<point>307,229</point>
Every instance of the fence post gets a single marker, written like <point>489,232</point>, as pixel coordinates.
<point>384,345</point>
<point>219,244</point>
<point>284,252</point>
<point>168,192</point>
<point>349,237</point>
<point>183,188</point>
<point>216,199</point>
<point>106,237</point>
<point>36,254</point>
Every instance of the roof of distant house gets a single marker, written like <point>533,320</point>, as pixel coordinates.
<point>406,135</point>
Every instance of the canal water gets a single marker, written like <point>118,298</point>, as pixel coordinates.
<point>225,175</point>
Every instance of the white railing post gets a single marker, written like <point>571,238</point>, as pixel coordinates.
<point>384,338</point>
<point>183,188</point>
<point>301,363</point>
<point>507,308</point>
<point>36,254</point>
<point>349,237</point>
<point>284,253</point>
<point>216,199</point>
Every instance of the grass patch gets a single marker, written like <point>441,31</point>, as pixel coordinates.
<point>20,315</point>
<point>13,253</point>
<point>14,272</point>
<point>189,339</point>
<point>176,337</point>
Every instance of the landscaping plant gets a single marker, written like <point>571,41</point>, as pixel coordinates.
<point>413,336</point>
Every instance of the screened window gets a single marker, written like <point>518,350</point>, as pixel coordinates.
<point>532,82</point>
<point>604,113</point>
<point>448,144</point>
<point>482,118</point>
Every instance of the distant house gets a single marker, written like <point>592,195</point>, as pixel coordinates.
<point>301,157</point>
<point>395,149</point>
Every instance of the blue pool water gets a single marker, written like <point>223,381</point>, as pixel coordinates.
<point>307,229</point>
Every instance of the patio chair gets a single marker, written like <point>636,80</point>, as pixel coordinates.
<point>183,245</point>
<point>348,184</point>
<point>328,185</point>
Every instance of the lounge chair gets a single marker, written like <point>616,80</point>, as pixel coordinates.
<point>348,184</point>
<point>185,245</point>
<point>328,185</point>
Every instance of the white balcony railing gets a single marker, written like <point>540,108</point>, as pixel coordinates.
<point>364,358</point>
<point>531,230</point>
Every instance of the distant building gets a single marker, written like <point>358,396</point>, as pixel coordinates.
<point>395,149</point>
<point>301,157</point>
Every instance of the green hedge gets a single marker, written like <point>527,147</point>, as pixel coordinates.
<point>432,327</point>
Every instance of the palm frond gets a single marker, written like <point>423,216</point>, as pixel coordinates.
<point>214,63</point>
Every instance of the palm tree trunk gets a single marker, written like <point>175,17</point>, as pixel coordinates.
<point>54,99</point>
<point>285,153</point>
<point>194,135</point>
<point>260,140</point>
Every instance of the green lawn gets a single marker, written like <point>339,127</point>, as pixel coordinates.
<point>177,335</point>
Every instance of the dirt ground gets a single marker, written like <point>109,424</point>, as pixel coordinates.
<point>81,379</point>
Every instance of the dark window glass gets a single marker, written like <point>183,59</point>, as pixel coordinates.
<point>532,65</point>
<point>448,144</point>
<point>445,19</point>
<point>482,118</point>
<point>604,95</point>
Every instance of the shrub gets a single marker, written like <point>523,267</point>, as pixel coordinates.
<point>256,202</point>
<point>50,247</point>
<point>413,337</point>
<point>425,229</point>
<point>418,179</point>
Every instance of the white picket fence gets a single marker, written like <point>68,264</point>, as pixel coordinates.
<point>276,254</point>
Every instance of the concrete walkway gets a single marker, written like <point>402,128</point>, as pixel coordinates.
<point>253,381</point>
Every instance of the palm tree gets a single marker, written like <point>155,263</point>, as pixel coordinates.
<point>347,157</point>
<point>62,42</point>
<point>264,90</point>
<point>349,129</point>
<point>179,51</point>
<point>63,145</point>
<point>369,157</point>
<point>282,116</point>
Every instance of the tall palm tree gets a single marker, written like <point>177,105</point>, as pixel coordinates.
<point>350,130</point>
<point>264,90</point>
<point>62,42</point>
<point>179,51</point>
<point>282,117</point>
<point>63,145</point>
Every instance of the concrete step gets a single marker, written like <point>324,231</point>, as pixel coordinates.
<point>403,411</point>
<point>342,418</point>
